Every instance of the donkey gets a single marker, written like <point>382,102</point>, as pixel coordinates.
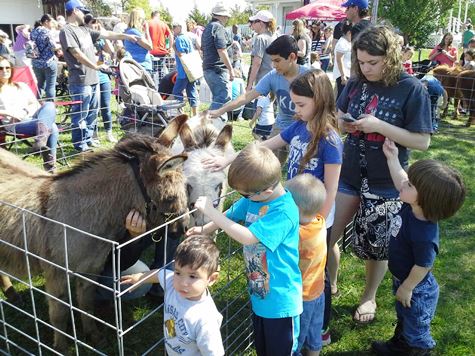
<point>448,78</point>
<point>199,143</point>
<point>94,196</point>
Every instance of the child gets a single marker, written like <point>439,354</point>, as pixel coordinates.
<point>436,93</point>
<point>315,60</point>
<point>264,116</point>
<point>469,57</point>
<point>431,191</point>
<point>237,89</point>
<point>314,144</point>
<point>309,194</point>
<point>407,53</point>
<point>270,239</point>
<point>283,52</point>
<point>191,320</point>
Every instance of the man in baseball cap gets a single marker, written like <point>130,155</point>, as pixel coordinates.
<point>76,4</point>
<point>357,13</point>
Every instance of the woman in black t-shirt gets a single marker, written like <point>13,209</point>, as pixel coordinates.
<point>386,102</point>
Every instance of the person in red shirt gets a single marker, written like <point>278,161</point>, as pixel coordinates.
<point>159,32</point>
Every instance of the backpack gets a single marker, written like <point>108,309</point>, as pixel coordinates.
<point>31,50</point>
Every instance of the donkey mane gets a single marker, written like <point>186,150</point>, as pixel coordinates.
<point>205,136</point>
<point>132,145</point>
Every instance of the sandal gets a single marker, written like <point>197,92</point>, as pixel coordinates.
<point>358,314</point>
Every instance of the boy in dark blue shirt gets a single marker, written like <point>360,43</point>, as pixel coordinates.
<point>431,191</point>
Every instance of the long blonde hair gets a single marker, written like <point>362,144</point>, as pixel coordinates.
<point>136,19</point>
<point>299,29</point>
<point>315,84</point>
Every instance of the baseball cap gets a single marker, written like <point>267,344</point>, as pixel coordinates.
<point>263,15</point>
<point>76,4</point>
<point>362,4</point>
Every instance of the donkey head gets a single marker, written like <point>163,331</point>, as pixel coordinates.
<point>204,142</point>
<point>162,175</point>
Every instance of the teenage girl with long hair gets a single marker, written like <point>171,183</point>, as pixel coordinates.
<point>315,146</point>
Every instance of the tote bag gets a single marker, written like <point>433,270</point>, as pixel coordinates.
<point>193,65</point>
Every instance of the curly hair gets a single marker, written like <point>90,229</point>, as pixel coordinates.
<point>379,41</point>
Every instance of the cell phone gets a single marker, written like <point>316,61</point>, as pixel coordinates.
<point>348,118</point>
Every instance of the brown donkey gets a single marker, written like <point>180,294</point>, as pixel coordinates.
<point>94,196</point>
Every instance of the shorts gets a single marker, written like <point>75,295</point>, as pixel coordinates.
<point>311,324</point>
<point>276,337</point>
<point>262,131</point>
<point>349,189</point>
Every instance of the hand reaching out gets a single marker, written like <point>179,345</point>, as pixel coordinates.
<point>390,149</point>
<point>135,223</point>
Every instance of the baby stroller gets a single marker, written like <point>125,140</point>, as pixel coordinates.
<point>145,111</point>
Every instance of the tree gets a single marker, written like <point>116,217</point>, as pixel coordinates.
<point>165,16</point>
<point>199,17</point>
<point>415,19</point>
<point>238,16</point>
<point>142,4</point>
<point>99,7</point>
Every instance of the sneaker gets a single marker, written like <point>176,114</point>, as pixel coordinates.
<point>94,143</point>
<point>326,337</point>
<point>110,137</point>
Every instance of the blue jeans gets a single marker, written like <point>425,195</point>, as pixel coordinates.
<point>220,87</point>
<point>46,78</point>
<point>105,105</point>
<point>83,115</point>
<point>191,92</point>
<point>311,323</point>
<point>47,115</point>
<point>106,279</point>
<point>416,319</point>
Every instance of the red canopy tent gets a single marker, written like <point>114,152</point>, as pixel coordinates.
<point>327,10</point>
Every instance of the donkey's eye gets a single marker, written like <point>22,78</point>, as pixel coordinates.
<point>218,188</point>
<point>189,189</point>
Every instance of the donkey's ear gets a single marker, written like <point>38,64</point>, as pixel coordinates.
<point>187,138</point>
<point>171,131</point>
<point>171,164</point>
<point>224,137</point>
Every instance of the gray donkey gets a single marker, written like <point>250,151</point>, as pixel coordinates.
<point>94,196</point>
<point>202,142</point>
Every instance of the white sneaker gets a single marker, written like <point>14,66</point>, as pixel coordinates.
<point>110,137</point>
<point>95,143</point>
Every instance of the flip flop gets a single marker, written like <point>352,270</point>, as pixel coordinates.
<point>336,294</point>
<point>357,316</point>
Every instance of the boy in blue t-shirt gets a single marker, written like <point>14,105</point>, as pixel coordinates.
<point>270,237</point>
<point>431,191</point>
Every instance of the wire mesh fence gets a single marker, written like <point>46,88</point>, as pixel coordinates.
<point>26,328</point>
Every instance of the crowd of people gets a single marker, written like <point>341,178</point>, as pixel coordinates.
<point>290,230</point>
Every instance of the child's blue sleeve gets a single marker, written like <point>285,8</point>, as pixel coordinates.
<point>263,87</point>
<point>273,228</point>
<point>237,211</point>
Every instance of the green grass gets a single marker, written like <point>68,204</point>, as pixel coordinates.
<point>454,269</point>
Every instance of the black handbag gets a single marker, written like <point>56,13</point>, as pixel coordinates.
<point>377,218</point>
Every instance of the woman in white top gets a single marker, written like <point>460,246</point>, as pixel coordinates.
<point>342,65</point>
<point>22,114</point>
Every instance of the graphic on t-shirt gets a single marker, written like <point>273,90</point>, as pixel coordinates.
<point>297,151</point>
<point>170,327</point>
<point>286,106</point>
<point>256,261</point>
